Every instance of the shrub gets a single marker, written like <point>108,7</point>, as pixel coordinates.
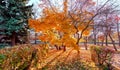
<point>19,57</point>
<point>102,56</point>
<point>3,45</point>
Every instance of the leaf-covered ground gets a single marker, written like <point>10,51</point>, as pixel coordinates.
<point>55,57</point>
<point>51,60</point>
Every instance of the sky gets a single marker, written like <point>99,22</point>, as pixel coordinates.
<point>35,7</point>
<point>37,2</point>
<point>117,2</point>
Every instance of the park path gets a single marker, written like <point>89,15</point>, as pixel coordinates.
<point>116,61</point>
<point>55,56</point>
<point>51,56</point>
<point>63,56</point>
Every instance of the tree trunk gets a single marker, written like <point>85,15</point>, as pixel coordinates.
<point>98,42</point>
<point>118,33</point>
<point>94,39</point>
<point>102,42</point>
<point>78,39</point>
<point>35,38</point>
<point>56,47</point>
<point>28,37</point>
<point>64,48</point>
<point>85,44</point>
<point>94,34</point>
<point>113,42</point>
<point>106,36</point>
<point>13,38</point>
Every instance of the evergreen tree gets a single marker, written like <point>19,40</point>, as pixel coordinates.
<point>13,19</point>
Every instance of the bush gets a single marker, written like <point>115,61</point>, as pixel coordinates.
<point>3,45</point>
<point>19,57</point>
<point>102,56</point>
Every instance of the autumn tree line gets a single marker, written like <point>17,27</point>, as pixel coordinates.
<point>63,23</point>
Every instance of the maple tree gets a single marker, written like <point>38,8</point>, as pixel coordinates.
<point>57,32</point>
<point>66,27</point>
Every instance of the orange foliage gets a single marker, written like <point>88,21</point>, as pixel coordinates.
<point>86,33</point>
<point>57,28</point>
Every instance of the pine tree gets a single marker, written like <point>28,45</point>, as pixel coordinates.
<point>14,16</point>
